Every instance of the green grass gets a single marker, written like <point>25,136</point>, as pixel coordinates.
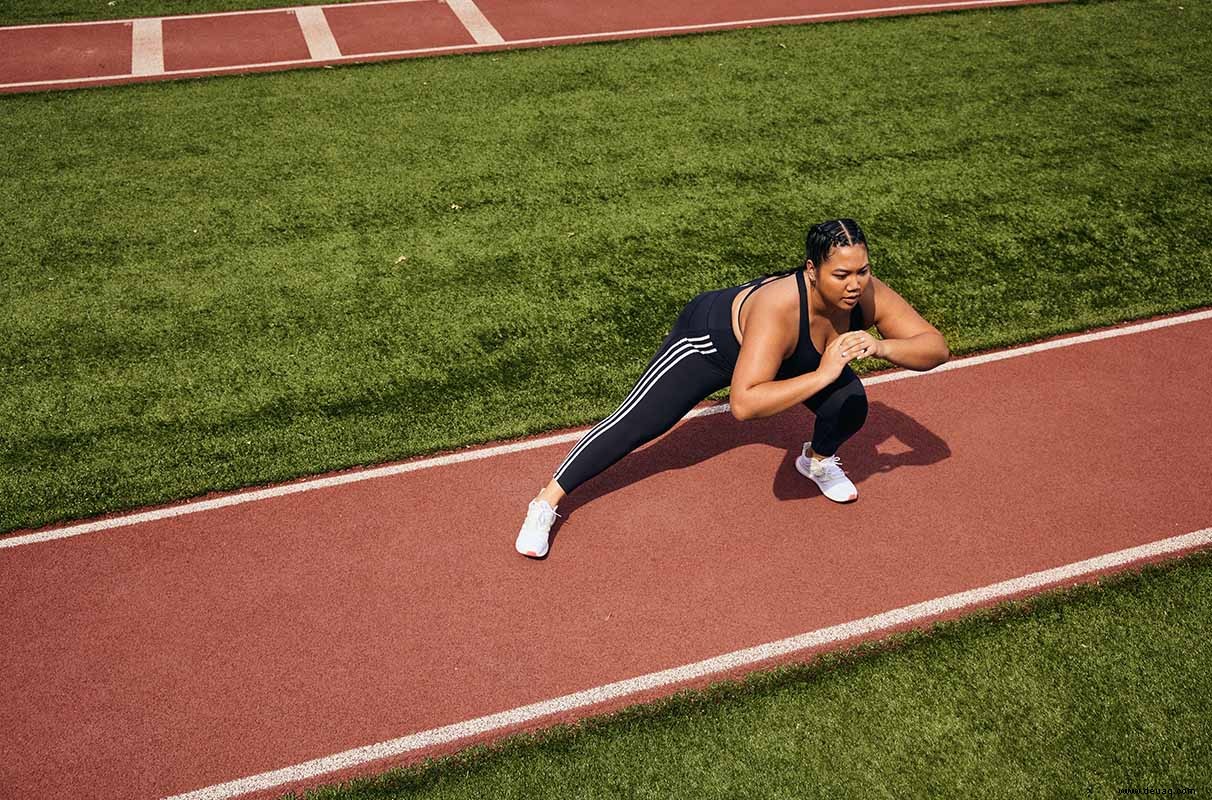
<point>1079,693</point>
<point>31,12</point>
<point>225,282</point>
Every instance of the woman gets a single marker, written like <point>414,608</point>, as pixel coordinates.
<point>777,341</point>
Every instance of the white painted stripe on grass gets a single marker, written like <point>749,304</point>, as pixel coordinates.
<point>320,41</point>
<point>475,22</point>
<point>719,665</point>
<point>249,496</point>
<point>147,47</point>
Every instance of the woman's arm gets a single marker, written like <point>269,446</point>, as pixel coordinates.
<point>769,397</point>
<point>921,352</point>
<point>768,336</point>
<point>909,340</point>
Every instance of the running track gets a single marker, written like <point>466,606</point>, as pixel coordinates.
<point>282,638</point>
<point>73,55</point>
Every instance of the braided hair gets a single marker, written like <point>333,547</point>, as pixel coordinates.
<point>824,236</point>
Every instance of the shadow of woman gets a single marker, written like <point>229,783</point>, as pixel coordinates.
<point>890,439</point>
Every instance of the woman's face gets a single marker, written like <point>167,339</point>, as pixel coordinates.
<point>844,275</point>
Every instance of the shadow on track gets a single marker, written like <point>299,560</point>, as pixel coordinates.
<point>890,439</point>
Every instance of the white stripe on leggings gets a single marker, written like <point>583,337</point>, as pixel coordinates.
<point>589,439</point>
<point>674,353</point>
<point>657,364</point>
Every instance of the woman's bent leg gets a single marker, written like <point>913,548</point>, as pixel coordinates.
<point>840,409</point>
<point>678,376</point>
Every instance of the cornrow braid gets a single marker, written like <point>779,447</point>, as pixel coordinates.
<point>824,236</point>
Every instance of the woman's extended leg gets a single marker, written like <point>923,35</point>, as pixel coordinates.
<point>678,376</point>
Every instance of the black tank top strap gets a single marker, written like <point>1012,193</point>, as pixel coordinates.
<point>758,283</point>
<point>805,331</point>
<point>783,273</point>
<point>770,276</point>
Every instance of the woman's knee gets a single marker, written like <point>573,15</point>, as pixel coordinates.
<point>843,404</point>
<point>852,406</point>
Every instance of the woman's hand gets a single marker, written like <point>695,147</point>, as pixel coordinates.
<point>865,345</point>
<point>847,347</point>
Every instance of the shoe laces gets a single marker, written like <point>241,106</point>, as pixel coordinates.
<point>542,511</point>
<point>830,467</point>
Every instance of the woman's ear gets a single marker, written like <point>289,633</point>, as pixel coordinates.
<point>810,270</point>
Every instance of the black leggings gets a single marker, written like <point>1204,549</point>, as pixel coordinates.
<point>696,359</point>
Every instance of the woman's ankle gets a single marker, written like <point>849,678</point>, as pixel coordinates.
<point>553,496</point>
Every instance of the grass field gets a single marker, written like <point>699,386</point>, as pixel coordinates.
<point>233,281</point>
<point>226,282</point>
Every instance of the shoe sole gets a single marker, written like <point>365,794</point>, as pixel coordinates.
<point>801,466</point>
<point>531,553</point>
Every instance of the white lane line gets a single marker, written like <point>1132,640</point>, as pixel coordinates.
<point>701,26</point>
<point>739,23</point>
<point>717,665</point>
<point>462,48</point>
<point>475,22</point>
<point>147,47</point>
<point>253,495</point>
<point>85,23</point>
<point>320,41</point>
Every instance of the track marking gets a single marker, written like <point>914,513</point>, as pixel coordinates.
<point>717,665</point>
<point>461,48</point>
<point>147,47</point>
<point>475,22</point>
<point>85,23</point>
<point>320,41</point>
<point>253,495</point>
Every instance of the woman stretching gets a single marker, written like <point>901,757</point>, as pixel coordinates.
<point>777,341</point>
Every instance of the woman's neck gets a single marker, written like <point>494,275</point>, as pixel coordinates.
<point>819,306</point>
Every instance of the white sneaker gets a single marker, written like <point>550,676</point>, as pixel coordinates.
<point>532,539</point>
<point>827,474</point>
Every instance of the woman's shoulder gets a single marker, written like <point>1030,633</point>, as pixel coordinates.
<point>779,294</point>
<point>772,310</point>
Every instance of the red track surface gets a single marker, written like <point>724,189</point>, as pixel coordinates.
<point>39,57</point>
<point>167,656</point>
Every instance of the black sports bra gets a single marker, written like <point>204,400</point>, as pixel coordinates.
<point>805,358</point>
